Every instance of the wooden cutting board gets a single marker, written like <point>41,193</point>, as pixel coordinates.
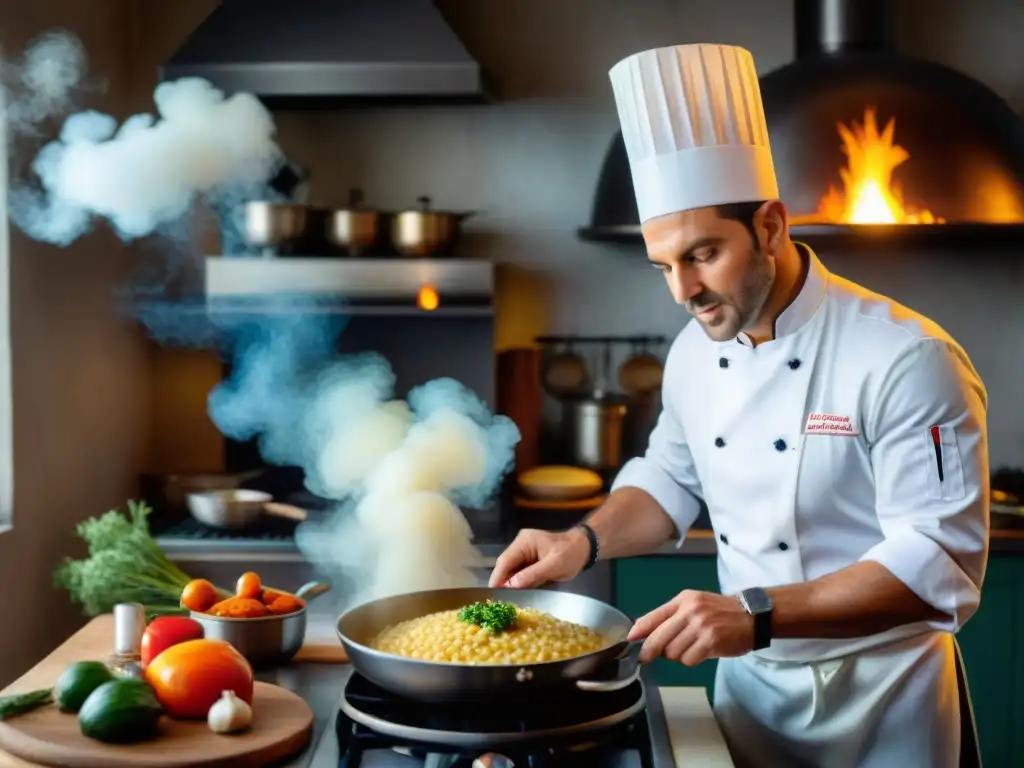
<point>95,641</point>
<point>282,725</point>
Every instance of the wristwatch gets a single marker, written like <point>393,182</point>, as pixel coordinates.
<point>757,603</point>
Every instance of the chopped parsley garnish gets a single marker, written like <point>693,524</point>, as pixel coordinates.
<point>493,615</point>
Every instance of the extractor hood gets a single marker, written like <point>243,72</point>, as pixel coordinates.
<point>311,50</point>
<point>869,143</point>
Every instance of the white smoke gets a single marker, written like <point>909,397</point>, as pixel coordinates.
<point>149,172</point>
<point>398,469</point>
<point>415,459</point>
<point>42,84</point>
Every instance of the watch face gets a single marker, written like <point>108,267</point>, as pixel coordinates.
<point>757,600</point>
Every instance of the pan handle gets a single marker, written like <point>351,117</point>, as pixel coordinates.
<point>629,670</point>
<point>285,510</point>
<point>311,589</point>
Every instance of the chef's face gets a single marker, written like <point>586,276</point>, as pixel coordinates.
<point>714,267</point>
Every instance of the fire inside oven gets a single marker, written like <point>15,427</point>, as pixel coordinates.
<point>870,192</point>
<point>863,135</point>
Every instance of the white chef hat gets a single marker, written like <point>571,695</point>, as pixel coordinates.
<point>694,128</point>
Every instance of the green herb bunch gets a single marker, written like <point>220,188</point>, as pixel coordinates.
<point>493,615</point>
<point>124,565</point>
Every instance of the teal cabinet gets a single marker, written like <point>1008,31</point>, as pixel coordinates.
<point>992,641</point>
<point>644,583</point>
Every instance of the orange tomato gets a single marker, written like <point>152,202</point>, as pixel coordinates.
<point>249,586</point>
<point>189,677</point>
<point>198,595</point>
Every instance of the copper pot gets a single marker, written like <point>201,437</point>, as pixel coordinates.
<point>425,232</point>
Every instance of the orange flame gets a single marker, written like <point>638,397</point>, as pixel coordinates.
<point>427,298</point>
<point>870,195</point>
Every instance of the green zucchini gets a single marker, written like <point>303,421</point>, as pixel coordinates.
<point>78,681</point>
<point>121,711</point>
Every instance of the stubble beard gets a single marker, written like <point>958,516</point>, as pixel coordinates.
<point>753,294</point>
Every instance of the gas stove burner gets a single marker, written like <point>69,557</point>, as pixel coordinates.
<point>493,760</point>
<point>569,716</point>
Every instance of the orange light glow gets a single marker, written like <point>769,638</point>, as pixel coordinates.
<point>870,195</point>
<point>427,298</point>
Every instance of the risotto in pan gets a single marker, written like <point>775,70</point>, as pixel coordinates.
<point>489,633</point>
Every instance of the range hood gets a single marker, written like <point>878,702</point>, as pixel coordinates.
<point>312,50</point>
<point>869,143</point>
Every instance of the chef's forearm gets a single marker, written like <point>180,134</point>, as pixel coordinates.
<point>630,523</point>
<point>860,600</point>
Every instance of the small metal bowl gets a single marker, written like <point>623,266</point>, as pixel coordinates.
<point>266,640</point>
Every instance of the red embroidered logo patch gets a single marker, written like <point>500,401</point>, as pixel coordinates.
<point>830,424</point>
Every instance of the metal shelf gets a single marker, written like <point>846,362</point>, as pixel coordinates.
<point>379,280</point>
<point>281,305</point>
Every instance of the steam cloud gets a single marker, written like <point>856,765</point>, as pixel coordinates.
<point>398,469</point>
<point>41,85</point>
<point>147,174</point>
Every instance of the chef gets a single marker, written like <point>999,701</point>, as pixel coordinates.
<point>837,438</point>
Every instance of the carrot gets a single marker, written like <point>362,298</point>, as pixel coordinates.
<point>239,608</point>
<point>287,604</point>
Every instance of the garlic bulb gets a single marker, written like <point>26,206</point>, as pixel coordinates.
<point>229,714</point>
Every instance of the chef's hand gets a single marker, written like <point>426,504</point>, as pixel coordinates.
<point>695,626</point>
<point>537,557</point>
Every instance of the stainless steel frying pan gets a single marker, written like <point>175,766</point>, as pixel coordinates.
<point>608,669</point>
<point>236,508</point>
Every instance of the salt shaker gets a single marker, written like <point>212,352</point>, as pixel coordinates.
<point>129,626</point>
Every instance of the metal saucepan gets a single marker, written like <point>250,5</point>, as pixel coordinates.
<point>426,232</point>
<point>236,508</point>
<point>284,228</point>
<point>354,229</point>
<point>596,431</point>
<point>266,640</point>
<point>169,492</point>
<point>612,668</point>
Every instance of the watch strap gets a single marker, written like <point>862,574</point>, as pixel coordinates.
<point>759,605</point>
<point>595,548</point>
<point>762,630</point>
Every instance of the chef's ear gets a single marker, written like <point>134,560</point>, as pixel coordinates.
<point>772,225</point>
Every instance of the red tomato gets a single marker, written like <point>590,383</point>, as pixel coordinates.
<point>189,677</point>
<point>166,631</point>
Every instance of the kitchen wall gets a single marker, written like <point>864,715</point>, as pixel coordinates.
<point>80,374</point>
<point>529,165</point>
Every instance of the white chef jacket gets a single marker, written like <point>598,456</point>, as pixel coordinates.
<point>817,449</point>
